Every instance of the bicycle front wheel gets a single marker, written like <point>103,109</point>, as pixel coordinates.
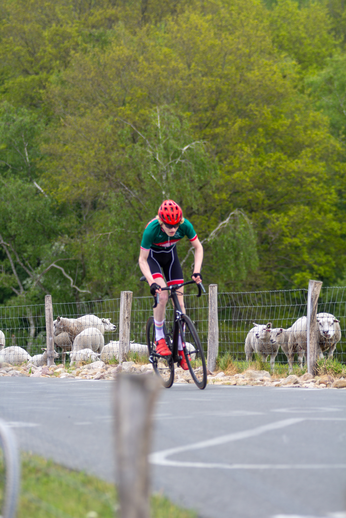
<point>163,367</point>
<point>194,353</point>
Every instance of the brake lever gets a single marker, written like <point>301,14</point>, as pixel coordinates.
<point>156,300</point>
<point>200,289</point>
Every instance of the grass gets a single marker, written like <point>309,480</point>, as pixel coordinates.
<point>230,367</point>
<point>332,367</point>
<point>50,490</point>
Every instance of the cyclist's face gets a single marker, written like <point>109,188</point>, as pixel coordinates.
<point>170,229</point>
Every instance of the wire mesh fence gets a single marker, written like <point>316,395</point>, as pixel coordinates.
<point>25,326</point>
<point>239,311</point>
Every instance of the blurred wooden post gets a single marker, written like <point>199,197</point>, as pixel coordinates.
<point>48,306</point>
<point>213,329</point>
<point>124,323</point>
<point>135,397</point>
<point>311,330</point>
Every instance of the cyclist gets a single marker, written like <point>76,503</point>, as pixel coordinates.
<point>158,253</point>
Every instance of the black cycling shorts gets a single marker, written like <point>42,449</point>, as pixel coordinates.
<point>168,263</point>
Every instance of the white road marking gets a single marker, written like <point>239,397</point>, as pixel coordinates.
<point>342,514</point>
<point>231,413</point>
<point>19,424</point>
<point>161,458</point>
<point>309,410</point>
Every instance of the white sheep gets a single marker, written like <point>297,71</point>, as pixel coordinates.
<point>141,349</point>
<point>74,326</point>
<point>64,342</point>
<point>83,355</point>
<point>259,339</point>
<point>329,333</point>
<point>110,351</point>
<point>296,342</point>
<point>14,355</point>
<point>280,336</point>
<point>102,324</point>
<point>39,360</point>
<point>2,340</point>
<point>90,338</point>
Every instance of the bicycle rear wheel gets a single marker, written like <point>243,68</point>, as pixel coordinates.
<point>163,367</point>
<point>194,353</point>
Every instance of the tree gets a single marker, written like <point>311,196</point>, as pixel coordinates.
<point>303,32</point>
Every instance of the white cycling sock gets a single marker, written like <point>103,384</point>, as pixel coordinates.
<point>159,330</point>
<point>180,342</point>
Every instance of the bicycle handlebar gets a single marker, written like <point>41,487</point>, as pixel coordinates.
<point>175,288</point>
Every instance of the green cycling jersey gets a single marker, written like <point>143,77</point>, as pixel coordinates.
<point>154,238</point>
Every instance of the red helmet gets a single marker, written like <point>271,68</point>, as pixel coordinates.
<point>170,212</point>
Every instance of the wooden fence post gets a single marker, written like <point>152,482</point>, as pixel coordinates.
<point>48,307</point>
<point>124,323</point>
<point>311,330</point>
<point>213,329</point>
<point>134,400</point>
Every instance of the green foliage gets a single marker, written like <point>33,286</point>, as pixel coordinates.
<point>303,32</point>
<point>113,106</point>
<point>328,90</point>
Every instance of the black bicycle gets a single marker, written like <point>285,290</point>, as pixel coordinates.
<point>183,326</point>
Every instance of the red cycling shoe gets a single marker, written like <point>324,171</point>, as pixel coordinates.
<point>162,348</point>
<point>183,363</point>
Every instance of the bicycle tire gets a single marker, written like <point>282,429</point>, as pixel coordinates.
<point>12,471</point>
<point>194,355</point>
<point>163,367</point>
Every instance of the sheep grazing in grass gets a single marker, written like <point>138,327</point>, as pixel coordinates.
<point>111,350</point>
<point>329,333</point>
<point>14,355</point>
<point>39,360</point>
<point>74,326</point>
<point>83,355</point>
<point>90,338</point>
<point>260,340</point>
<point>2,340</point>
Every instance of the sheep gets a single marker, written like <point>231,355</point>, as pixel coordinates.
<point>281,336</point>
<point>329,333</point>
<point>83,355</point>
<point>259,339</point>
<point>296,342</point>
<point>14,355</point>
<point>74,326</point>
<point>102,324</point>
<point>2,340</point>
<point>39,360</point>
<point>111,350</point>
<point>90,338</point>
<point>64,342</point>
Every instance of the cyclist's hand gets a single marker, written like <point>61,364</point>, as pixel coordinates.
<point>197,277</point>
<point>155,288</point>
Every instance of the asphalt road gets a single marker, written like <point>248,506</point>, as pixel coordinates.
<point>235,452</point>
